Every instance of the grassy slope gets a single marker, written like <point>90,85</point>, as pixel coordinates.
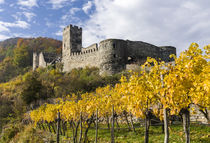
<point>199,134</point>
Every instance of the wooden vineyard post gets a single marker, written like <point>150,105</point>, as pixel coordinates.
<point>112,131</point>
<point>165,113</point>
<point>96,125</point>
<point>80,137</point>
<point>58,127</point>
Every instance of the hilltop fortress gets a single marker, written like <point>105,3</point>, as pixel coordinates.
<point>110,55</point>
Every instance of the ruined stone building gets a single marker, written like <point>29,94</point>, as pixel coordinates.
<point>110,55</point>
<point>41,59</point>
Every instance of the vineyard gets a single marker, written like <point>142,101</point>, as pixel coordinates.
<point>158,89</point>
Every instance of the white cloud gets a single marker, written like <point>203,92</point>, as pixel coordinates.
<point>17,24</point>
<point>3,28</point>
<point>21,35</point>
<point>1,10</point>
<point>74,10</point>
<point>3,37</point>
<point>71,16</point>
<point>27,3</point>
<point>176,23</point>
<point>56,4</point>
<point>49,24</point>
<point>86,7</point>
<point>60,32</point>
<point>11,35</point>
<point>1,1</point>
<point>29,15</point>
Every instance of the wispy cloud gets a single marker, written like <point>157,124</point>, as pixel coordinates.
<point>1,10</point>
<point>49,24</point>
<point>11,35</point>
<point>29,15</point>
<point>71,16</point>
<point>60,31</point>
<point>27,3</point>
<point>3,28</point>
<point>1,1</point>
<point>74,10</point>
<point>86,7</point>
<point>56,4</point>
<point>3,37</point>
<point>16,24</point>
<point>176,23</point>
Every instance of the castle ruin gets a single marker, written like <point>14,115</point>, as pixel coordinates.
<point>110,55</point>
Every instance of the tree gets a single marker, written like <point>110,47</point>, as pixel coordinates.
<point>184,86</point>
<point>21,54</point>
<point>32,89</point>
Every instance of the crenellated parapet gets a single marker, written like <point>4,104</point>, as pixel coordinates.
<point>91,48</point>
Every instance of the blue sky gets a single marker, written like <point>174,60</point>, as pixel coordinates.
<point>33,18</point>
<point>160,22</point>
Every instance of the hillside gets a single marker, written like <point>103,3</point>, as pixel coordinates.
<point>6,46</point>
<point>16,54</point>
<point>36,44</point>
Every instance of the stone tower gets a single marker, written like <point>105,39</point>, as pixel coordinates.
<point>72,42</point>
<point>113,56</point>
<point>72,39</point>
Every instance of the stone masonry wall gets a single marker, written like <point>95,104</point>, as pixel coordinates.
<point>113,56</point>
<point>82,59</point>
<point>35,61</point>
<point>39,60</point>
<point>139,51</point>
<point>42,62</point>
<point>165,51</point>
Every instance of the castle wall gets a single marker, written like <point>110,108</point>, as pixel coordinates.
<point>35,61</point>
<point>81,60</point>
<point>110,57</point>
<point>166,51</point>
<point>114,55</point>
<point>139,51</point>
<point>42,62</point>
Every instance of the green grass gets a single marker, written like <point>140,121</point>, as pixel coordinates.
<point>30,134</point>
<point>199,134</point>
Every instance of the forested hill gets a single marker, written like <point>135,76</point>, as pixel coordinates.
<point>6,46</point>
<point>16,54</point>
